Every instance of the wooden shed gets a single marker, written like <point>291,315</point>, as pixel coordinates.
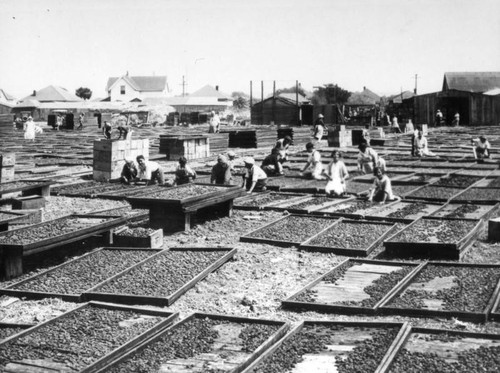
<point>277,110</point>
<point>465,93</point>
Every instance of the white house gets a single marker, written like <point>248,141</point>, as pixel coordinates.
<point>136,88</point>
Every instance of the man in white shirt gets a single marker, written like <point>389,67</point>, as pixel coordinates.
<point>481,148</point>
<point>255,178</point>
<point>149,171</point>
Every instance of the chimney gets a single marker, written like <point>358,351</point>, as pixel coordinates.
<point>364,88</point>
<point>34,93</point>
<point>127,73</point>
<point>216,87</point>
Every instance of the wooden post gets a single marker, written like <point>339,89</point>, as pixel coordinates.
<point>297,100</point>
<point>274,100</point>
<point>494,229</point>
<point>262,101</point>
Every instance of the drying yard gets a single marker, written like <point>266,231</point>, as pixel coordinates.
<point>105,277</point>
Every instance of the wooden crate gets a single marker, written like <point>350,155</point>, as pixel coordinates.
<point>7,174</point>
<point>163,301</point>
<point>7,160</point>
<point>28,203</point>
<point>109,156</point>
<point>226,351</point>
<point>154,240</point>
<point>432,306</point>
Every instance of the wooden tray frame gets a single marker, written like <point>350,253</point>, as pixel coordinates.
<point>289,303</point>
<point>415,312</point>
<point>12,291</point>
<point>429,249</point>
<point>93,294</point>
<point>403,331</point>
<point>247,237</point>
<point>284,327</point>
<point>348,251</point>
<point>125,348</point>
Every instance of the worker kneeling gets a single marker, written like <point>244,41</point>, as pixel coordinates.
<point>149,171</point>
<point>255,178</point>
<point>313,168</point>
<point>272,165</point>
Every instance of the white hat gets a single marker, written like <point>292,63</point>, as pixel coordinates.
<point>231,154</point>
<point>129,159</point>
<point>320,116</point>
<point>249,160</point>
<point>30,118</point>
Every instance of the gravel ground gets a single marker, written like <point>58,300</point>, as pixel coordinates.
<point>251,285</point>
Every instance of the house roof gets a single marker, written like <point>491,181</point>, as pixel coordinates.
<point>209,91</point>
<point>398,98</point>
<point>293,97</point>
<point>28,102</point>
<point>7,96</point>
<point>141,83</point>
<point>471,81</point>
<point>365,97</point>
<point>53,93</point>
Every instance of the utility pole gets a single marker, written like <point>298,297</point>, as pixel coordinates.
<point>184,84</point>
<point>416,77</point>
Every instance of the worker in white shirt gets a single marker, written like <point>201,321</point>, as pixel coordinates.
<point>481,148</point>
<point>313,168</point>
<point>255,178</point>
<point>149,171</point>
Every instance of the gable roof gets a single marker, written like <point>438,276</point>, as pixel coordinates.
<point>365,97</point>
<point>7,96</point>
<point>209,91</point>
<point>471,81</point>
<point>141,83</point>
<point>53,93</point>
<point>398,98</point>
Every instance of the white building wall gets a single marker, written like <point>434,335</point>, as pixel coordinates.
<point>130,92</point>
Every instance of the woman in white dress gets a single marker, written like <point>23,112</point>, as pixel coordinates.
<point>29,129</point>
<point>336,173</point>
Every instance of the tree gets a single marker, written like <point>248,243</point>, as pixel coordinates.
<point>240,103</point>
<point>291,90</point>
<point>330,94</point>
<point>237,94</point>
<point>84,93</point>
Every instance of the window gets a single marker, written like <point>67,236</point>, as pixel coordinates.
<point>122,89</point>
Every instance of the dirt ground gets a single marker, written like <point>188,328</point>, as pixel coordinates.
<point>252,285</point>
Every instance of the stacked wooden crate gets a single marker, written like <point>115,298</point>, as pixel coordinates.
<point>265,136</point>
<point>109,156</point>
<point>219,142</point>
<point>299,135</point>
<point>189,146</point>
<point>7,164</point>
<point>339,136</point>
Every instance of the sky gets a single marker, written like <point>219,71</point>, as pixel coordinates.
<point>378,44</point>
